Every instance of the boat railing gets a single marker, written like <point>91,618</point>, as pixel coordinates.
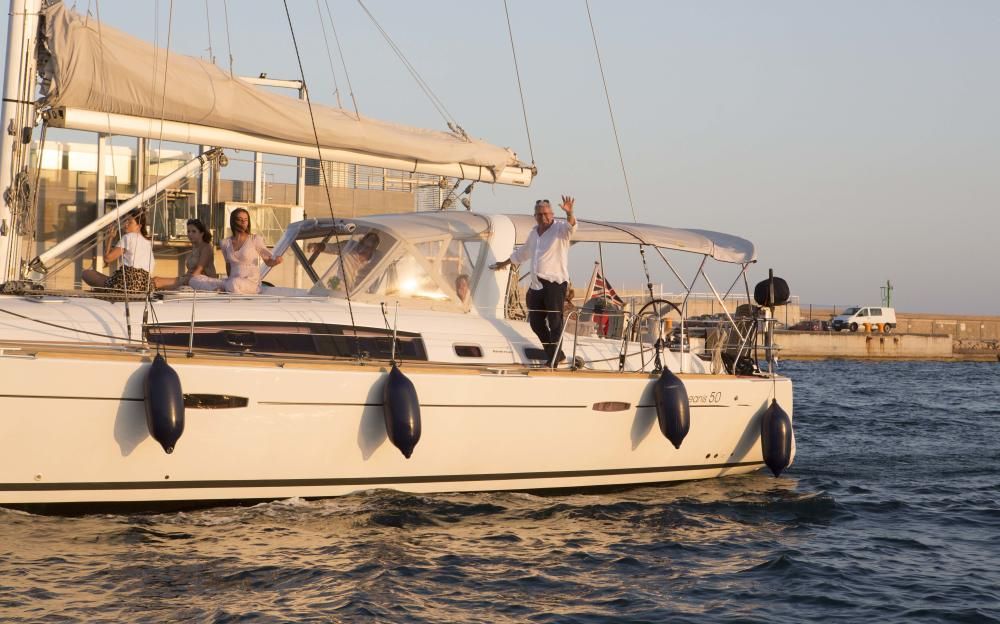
<point>729,342</point>
<point>574,317</point>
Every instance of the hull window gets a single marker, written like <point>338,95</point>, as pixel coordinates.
<point>471,351</point>
<point>306,339</point>
<point>214,401</point>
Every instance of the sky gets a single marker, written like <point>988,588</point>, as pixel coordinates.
<point>853,142</point>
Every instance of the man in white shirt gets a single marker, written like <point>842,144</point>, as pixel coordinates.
<point>548,248</point>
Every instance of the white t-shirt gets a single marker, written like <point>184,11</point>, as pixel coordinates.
<point>549,253</point>
<point>138,251</point>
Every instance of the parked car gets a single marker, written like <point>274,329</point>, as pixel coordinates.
<point>699,326</point>
<point>811,325</point>
<point>855,318</point>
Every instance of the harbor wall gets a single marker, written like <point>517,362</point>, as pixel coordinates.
<point>917,335</point>
<point>977,336</point>
<point>962,327</point>
<point>804,344</point>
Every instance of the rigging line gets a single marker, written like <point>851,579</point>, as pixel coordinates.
<point>72,329</point>
<point>326,185</point>
<point>18,158</point>
<point>33,216</point>
<point>329,55</point>
<point>110,143</point>
<point>159,148</point>
<point>517,72</point>
<point>671,267</point>
<point>18,194</point>
<point>208,24</point>
<point>614,126</point>
<point>621,159</point>
<point>435,100</point>
<point>156,56</point>
<point>744,266</point>
<point>163,95</point>
<point>229,47</point>
<point>343,61</point>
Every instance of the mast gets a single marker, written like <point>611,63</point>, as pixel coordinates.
<point>17,119</point>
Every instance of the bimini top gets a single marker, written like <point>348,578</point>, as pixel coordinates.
<point>420,259</point>
<point>721,247</point>
<point>421,225</point>
<point>412,226</point>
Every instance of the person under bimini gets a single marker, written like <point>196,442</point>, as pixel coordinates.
<point>243,251</point>
<point>548,248</point>
<point>355,261</point>
<point>200,261</point>
<point>462,289</point>
<point>134,250</point>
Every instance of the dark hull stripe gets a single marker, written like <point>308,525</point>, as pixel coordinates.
<point>366,481</point>
<point>475,405</point>
<point>303,403</point>
<point>68,398</point>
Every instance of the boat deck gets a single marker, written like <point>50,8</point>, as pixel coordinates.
<point>99,351</point>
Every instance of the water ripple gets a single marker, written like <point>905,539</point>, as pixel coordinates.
<point>890,514</point>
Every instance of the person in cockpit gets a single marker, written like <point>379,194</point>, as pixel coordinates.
<point>462,289</point>
<point>355,261</point>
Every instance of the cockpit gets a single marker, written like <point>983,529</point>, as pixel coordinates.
<point>434,263</point>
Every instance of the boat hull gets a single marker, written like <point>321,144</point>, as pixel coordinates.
<point>73,429</point>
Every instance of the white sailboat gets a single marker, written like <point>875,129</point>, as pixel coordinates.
<point>297,391</point>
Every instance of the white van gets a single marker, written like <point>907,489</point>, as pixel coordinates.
<point>855,318</point>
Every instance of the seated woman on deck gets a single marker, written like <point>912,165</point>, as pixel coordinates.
<point>200,261</point>
<point>135,251</point>
<point>243,252</point>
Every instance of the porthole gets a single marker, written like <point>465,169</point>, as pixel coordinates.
<point>470,351</point>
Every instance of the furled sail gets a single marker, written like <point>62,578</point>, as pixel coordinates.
<point>98,69</point>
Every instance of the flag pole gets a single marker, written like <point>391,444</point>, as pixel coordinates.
<point>591,283</point>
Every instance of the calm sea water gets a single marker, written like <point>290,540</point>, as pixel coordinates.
<point>890,514</point>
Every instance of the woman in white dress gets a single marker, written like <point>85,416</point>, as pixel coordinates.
<point>243,251</point>
<point>135,251</point>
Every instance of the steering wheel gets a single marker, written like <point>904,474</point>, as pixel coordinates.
<point>636,329</point>
<point>660,301</point>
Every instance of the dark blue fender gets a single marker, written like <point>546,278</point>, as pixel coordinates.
<point>402,411</point>
<point>776,437</point>
<point>164,404</point>
<point>673,411</point>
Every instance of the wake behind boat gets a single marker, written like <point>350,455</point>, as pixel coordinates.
<point>380,370</point>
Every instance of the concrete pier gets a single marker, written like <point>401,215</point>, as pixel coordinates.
<point>809,345</point>
<point>918,335</point>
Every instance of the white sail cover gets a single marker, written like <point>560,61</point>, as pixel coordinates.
<point>98,68</point>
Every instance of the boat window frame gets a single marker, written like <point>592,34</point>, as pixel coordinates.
<point>410,346</point>
<point>400,248</point>
<point>468,345</point>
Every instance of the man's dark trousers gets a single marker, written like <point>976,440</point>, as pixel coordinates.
<point>545,315</point>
